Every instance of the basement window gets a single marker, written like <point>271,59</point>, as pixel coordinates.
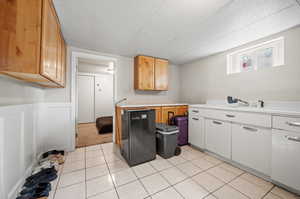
<point>264,55</point>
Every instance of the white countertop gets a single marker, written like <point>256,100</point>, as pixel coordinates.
<point>130,105</point>
<point>284,110</point>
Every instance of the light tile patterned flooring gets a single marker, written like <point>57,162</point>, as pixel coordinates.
<point>99,172</point>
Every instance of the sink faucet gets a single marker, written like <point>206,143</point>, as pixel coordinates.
<point>232,100</point>
<point>244,102</point>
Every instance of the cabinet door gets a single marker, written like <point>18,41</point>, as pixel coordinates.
<point>196,131</point>
<point>167,113</point>
<point>158,113</point>
<point>218,137</point>
<point>144,73</point>
<point>161,74</point>
<point>50,42</point>
<point>20,36</point>
<point>251,146</point>
<point>286,158</point>
<point>181,110</point>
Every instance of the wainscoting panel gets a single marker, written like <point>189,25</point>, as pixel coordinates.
<point>17,146</point>
<point>26,131</point>
<point>55,127</point>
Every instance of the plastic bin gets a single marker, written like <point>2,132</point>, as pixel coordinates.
<point>166,140</point>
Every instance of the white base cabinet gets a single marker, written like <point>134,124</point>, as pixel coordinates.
<point>251,147</point>
<point>286,158</point>
<point>266,143</point>
<point>218,137</point>
<point>196,131</point>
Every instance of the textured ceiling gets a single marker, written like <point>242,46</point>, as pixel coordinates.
<point>179,30</point>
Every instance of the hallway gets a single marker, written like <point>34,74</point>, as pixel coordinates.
<point>88,135</point>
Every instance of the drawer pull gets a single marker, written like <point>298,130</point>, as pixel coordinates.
<point>195,111</point>
<point>250,129</point>
<point>231,116</point>
<point>296,124</point>
<point>195,118</point>
<point>218,123</point>
<point>295,139</point>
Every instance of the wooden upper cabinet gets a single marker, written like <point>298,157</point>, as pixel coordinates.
<point>150,73</point>
<point>161,74</point>
<point>32,47</point>
<point>143,73</point>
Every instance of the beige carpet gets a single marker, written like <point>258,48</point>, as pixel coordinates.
<point>88,135</point>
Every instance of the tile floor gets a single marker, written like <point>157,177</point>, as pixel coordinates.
<point>99,172</point>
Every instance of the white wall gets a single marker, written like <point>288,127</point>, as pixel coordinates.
<point>13,91</point>
<point>91,68</point>
<point>206,79</point>
<point>124,83</point>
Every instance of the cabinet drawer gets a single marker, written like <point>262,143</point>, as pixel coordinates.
<point>194,112</point>
<point>286,123</point>
<point>241,117</point>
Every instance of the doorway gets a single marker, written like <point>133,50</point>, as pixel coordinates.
<point>95,101</point>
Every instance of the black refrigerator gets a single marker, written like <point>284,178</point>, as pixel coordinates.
<point>138,136</point>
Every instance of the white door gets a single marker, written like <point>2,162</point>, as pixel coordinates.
<point>251,146</point>
<point>86,98</point>
<point>104,95</point>
<point>218,137</point>
<point>196,131</point>
<point>286,158</point>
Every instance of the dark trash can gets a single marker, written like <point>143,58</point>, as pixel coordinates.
<point>166,140</point>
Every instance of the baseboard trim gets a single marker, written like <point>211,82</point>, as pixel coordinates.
<point>16,189</point>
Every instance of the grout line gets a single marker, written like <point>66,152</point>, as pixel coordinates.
<point>173,185</point>
<point>85,184</point>
<point>238,190</point>
<point>148,194</point>
<point>115,188</point>
<point>269,192</point>
<point>227,183</point>
<point>58,180</point>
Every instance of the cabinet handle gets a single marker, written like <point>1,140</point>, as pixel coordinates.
<point>250,129</point>
<point>231,116</point>
<point>296,124</point>
<point>295,139</point>
<point>195,111</point>
<point>195,118</point>
<point>218,123</point>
